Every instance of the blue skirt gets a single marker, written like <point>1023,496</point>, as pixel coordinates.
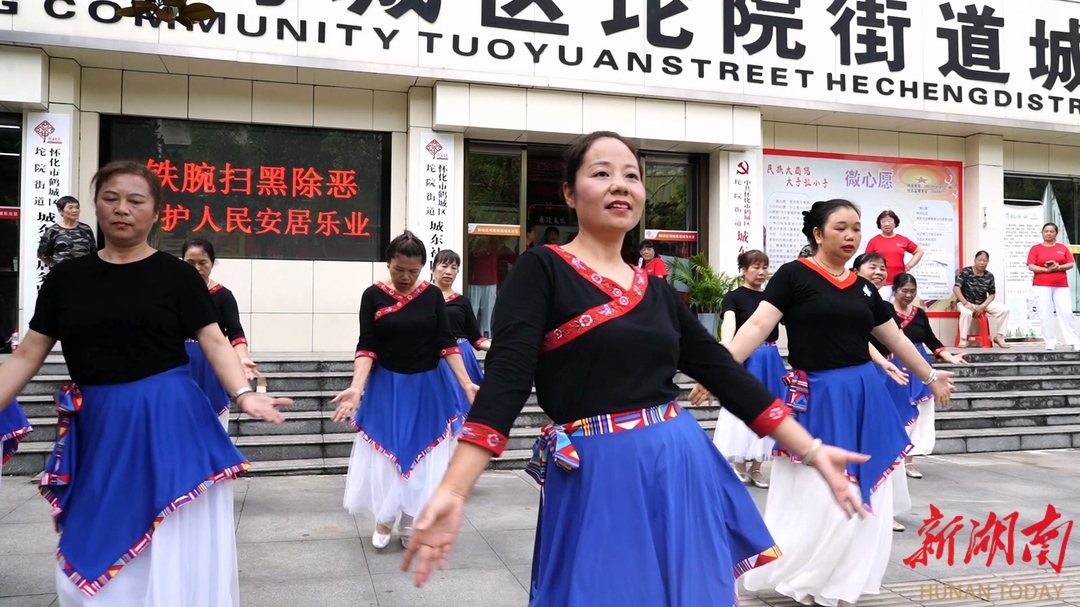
<point>13,427</point>
<point>900,395</point>
<point>472,365</point>
<point>917,392</point>
<point>204,375</point>
<point>844,409</point>
<point>653,516</point>
<point>405,415</point>
<point>126,456</point>
<point>766,364</point>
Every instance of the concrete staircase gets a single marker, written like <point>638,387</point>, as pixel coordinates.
<point>1005,401</point>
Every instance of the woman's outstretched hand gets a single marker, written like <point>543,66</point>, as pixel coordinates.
<point>832,463</point>
<point>434,534</point>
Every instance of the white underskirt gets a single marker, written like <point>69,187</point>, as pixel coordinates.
<point>191,562</point>
<point>901,496</point>
<point>922,431</point>
<point>374,485</point>
<point>738,442</point>
<point>826,557</point>
<point>223,417</point>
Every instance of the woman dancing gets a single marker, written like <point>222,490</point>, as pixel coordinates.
<point>830,314</point>
<point>459,311</point>
<point>916,326</point>
<point>412,405</point>
<point>732,436</point>
<point>140,477</point>
<point>199,254</point>
<point>623,466</point>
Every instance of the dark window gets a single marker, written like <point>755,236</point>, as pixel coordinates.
<point>263,192</point>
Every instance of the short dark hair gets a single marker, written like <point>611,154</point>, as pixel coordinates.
<point>819,214</point>
<point>406,245</point>
<point>446,256</point>
<point>575,154</point>
<point>129,167</point>
<point>903,280</point>
<point>1050,223</point>
<point>646,244</point>
<point>985,253</point>
<point>751,257</point>
<point>884,214</point>
<point>866,258</point>
<point>63,201</point>
<point>199,243</point>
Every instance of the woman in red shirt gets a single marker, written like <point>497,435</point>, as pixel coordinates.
<point>1050,261</point>
<point>653,265</point>
<point>892,247</point>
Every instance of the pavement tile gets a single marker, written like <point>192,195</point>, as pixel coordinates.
<point>452,588</point>
<point>301,559</point>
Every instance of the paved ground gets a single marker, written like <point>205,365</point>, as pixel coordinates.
<point>297,547</point>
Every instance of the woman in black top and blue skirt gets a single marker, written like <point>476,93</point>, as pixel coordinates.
<point>412,404</point>
<point>199,254</point>
<point>139,477</point>
<point>732,436</point>
<point>459,311</point>
<point>830,314</point>
<point>637,506</point>
<point>916,326</point>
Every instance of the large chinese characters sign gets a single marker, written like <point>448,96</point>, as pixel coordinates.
<point>263,192</point>
<point>1002,60</point>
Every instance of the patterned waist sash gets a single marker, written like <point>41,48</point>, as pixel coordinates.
<point>554,442</point>
<point>798,397</point>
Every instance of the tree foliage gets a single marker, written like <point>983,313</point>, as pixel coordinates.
<point>169,11</point>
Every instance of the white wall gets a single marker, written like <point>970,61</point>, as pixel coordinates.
<point>285,305</point>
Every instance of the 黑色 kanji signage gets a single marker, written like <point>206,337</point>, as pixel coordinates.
<point>261,191</point>
<point>990,60</point>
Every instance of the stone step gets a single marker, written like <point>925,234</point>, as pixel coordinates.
<point>1024,383</point>
<point>1010,418</point>
<point>1014,369</point>
<point>980,440</point>
<point>1027,400</point>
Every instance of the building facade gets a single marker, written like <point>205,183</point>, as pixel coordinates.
<point>299,137</point>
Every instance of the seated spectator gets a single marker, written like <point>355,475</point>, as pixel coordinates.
<point>975,292</point>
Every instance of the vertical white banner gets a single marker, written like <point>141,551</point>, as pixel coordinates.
<point>46,170</point>
<point>1023,229</point>
<point>432,216</point>
<point>744,205</point>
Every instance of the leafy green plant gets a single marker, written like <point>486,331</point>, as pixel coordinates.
<point>705,288</point>
<point>169,11</point>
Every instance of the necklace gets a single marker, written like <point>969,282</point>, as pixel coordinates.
<point>822,266</point>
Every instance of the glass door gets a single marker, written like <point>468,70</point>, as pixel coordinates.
<point>494,194</point>
<point>10,173</point>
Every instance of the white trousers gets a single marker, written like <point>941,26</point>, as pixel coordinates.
<point>999,319</point>
<point>1056,299</point>
<point>483,302</point>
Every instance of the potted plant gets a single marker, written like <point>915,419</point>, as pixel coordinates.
<point>705,289</point>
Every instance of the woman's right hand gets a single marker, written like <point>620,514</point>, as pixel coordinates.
<point>895,373</point>
<point>348,401</point>
<point>699,395</point>
<point>434,534</point>
<point>832,463</point>
<point>942,388</point>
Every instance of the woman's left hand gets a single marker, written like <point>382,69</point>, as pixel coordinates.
<point>263,407</point>
<point>699,395</point>
<point>831,462</point>
<point>955,359</point>
<point>251,371</point>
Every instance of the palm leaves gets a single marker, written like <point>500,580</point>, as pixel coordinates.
<point>705,288</point>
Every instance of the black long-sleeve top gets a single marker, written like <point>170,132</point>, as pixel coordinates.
<point>462,320</point>
<point>744,302</point>
<point>595,348</point>
<point>916,326</point>
<point>228,314</point>
<point>404,333</point>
